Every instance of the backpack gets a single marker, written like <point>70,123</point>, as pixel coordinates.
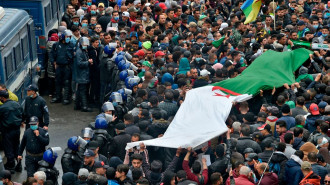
<point>275,168</point>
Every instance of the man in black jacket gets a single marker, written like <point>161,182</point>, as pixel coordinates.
<point>10,121</point>
<point>267,136</point>
<point>245,141</point>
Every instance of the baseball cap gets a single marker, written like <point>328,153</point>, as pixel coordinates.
<point>322,104</point>
<point>83,172</point>
<point>100,164</point>
<point>32,88</point>
<point>314,109</point>
<point>306,165</point>
<point>159,53</point>
<point>75,16</point>
<point>300,23</point>
<point>33,120</point>
<point>248,150</point>
<point>162,6</point>
<point>132,9</point>
<point>140,53</point>
<point>262,115</point>
<point>257,135</point>
<point>204,72</point>
<point>5,174</point>
<point>146,63</point>
<point>125,14</point>
<point>101,5</point>
<point>89,153</point>
<point>252,156</point>
<point>93,145</point>
<point>265,126</point>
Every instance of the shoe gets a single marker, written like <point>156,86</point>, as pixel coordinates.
<point>18,167</point>
<point>55,100</point>
<point>86,109</point>
<point>66,102</point>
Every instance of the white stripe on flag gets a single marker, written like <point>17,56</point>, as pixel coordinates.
<point>200,118</point>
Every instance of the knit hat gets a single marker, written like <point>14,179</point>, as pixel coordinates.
<point>217,66</point>
<point>147,44</point>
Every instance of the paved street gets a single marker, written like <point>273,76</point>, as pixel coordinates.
<point>64,123</point>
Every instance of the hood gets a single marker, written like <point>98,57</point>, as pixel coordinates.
<point>297,142</point>
<point>303,70</point>
<point>69,178</point>
<point>292,163</point>
<point>278,157</point>
<point>167,77</point>
<point>184,66</point>
<point>297,159</point>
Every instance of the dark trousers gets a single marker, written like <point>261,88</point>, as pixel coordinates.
<point>81,96</point>
<point>62,80</point>
<point>31,163</point>
<point>11,144</point>
<point>104,89</point>
<point>95,90</point>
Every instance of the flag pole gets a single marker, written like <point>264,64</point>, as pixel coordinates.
<point>274,15</point>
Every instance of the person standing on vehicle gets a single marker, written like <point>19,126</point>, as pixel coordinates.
<point>35,105</point>
<point>62,58</point>
<point>35,140</point>
<point>81,72</point>
<point>10,122</point>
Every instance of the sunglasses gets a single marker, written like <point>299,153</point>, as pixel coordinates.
<point>326,182</point>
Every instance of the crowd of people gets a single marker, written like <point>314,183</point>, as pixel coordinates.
<point>135,60</point>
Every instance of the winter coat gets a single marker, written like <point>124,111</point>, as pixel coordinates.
<point>293,174</point>
<point>320,171</point>
<point>311,178</point>
<point>242,180</point>
<point>81,69</point>
<point>297,143</point>
<point>50,65</point>
<point>310,122</point>
<point>247,142</point>
<point>279,157</point>
<point>269,179</point>
<point>264,141</point>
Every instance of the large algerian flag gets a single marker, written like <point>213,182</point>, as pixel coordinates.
<point>202,115</point>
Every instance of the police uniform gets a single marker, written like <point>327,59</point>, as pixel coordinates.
<point>71,161</point>
<point>10,121</point>
<point>36,107</point>
<point>51,172</point>
<point>35,147</point>
<point>62,53</point>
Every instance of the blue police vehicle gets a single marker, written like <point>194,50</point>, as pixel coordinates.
<point>18,51</point>
<point>46,15</point>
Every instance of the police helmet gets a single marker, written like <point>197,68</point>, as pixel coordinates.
<point>73,144</point>
<point>107,106</point>
<point>101,123</point>
<point>50,156</point>
<point>123,75</point>
<point>116,97</point>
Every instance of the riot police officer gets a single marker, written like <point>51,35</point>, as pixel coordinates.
<point>10,121</point>
<point>47,165</point>
<point>35,105</point>
<point>108,114</point>
<point>101,136</point>
<point>35,140</point>
<point>120,108</point>
<point>62,56</point>
<point>71,161</point>
<point>81,73</point>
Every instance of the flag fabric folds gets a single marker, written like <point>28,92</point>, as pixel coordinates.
<point>251,9</point>
<point>200,118</point>
<point>217,43</point>
<point>272,69</point>
<point>202,115</point>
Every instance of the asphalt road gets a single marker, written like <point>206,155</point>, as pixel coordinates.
<point>64,123</point>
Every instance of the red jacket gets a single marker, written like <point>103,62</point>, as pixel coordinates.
<point>192,176</point>
<point>269,179</point>
<point>311,178</point>
<point>243,180</point>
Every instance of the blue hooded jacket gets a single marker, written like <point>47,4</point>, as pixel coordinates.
<point>293,174</point>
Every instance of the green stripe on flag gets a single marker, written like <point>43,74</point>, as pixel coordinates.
<point>272,69</point>
<point>247,11</point>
